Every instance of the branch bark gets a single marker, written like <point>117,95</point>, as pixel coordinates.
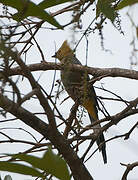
<point>102,72</point>
<point>78,169</point>
<point>49,131</point>
<point>128,169</point>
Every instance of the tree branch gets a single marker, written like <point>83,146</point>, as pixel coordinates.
<point>128,169</point>
<point>129,110</point>
<point>102,72</point>
<point>78,169</point>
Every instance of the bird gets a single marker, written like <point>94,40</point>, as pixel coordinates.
<point>80,90</point>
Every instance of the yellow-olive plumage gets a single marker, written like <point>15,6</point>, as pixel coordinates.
<point>78,88</point>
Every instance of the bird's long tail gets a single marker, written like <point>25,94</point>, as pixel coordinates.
<point>100,140</point>
<point>89,104</point>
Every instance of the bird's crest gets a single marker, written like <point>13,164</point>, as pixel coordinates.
<point>64,51</point>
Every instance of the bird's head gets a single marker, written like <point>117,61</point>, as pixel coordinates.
<point>63,51</point>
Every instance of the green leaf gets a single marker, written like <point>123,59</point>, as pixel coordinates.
<point>51,163</point>
<point>55,165</point>
<point>105,7</point>
<point>125,3</point>
<point>7,177</point>
<point>33,160</point>
<point>19,168</point>
<point>50,3</point>
<point>137,32</point>
<point>27,8</point>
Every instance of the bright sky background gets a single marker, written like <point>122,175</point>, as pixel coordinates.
<point>117,150</point>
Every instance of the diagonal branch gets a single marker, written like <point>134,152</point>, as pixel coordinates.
<point>79,170</point>
<point>129,110</point>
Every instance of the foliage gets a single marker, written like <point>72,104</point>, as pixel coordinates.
<point>7,177</point>
<point>68,135</point>
<point>125,3</point>
<point>48,4</point>
<point>27,8</point>
<point>107,9</point>
<point>49,164</point>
